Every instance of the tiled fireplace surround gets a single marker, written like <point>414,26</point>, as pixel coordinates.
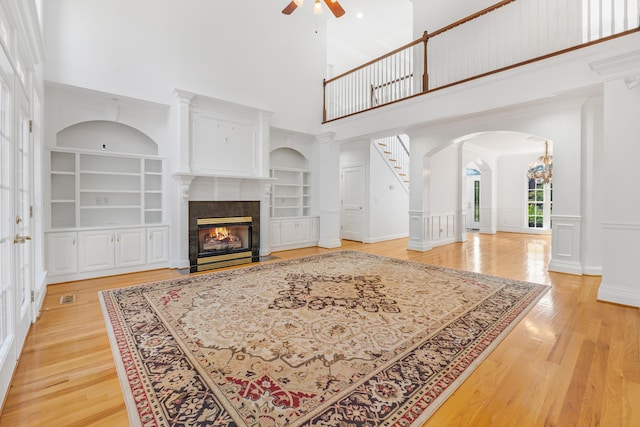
<point>223,209</point>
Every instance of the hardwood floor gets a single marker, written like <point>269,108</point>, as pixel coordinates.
<point>572,361</point>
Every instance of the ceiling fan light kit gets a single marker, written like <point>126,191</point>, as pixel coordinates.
<point>333,6</point>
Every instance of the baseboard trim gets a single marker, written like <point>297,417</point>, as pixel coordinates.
<point>385,238</point>
<point>618,295</point>
<point>420,246</point>
<point>567,267</point>
<point>329,244</point>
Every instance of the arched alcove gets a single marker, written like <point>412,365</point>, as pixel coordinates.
<point>288,158</point>
<point>103,135</point>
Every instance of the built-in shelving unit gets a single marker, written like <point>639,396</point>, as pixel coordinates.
<point>106,214</point>
<point>97,190</point>
<point>291,194</point>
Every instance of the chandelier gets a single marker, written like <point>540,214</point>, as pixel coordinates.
<point>542,170</point>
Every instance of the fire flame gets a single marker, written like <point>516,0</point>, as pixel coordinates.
<point>220,233</point>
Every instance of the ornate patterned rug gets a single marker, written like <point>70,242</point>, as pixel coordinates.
<point>340,339</point>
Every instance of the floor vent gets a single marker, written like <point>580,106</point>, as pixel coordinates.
<point>67,299</point>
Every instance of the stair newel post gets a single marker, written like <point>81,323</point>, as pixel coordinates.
<point>324,100</point>
<point>425,74</point>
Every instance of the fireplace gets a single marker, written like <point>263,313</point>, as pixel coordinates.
<point>223,234</point>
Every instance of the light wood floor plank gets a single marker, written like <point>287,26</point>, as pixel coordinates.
<point>572,361</point>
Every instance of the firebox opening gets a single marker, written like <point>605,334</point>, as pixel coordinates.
<point>223,242</point>
<point>223,239</point>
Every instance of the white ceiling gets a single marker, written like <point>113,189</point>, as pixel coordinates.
<point>507,142</point>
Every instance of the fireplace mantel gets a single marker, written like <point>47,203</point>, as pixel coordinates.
<point>185,180</point>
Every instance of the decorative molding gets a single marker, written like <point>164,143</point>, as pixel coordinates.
<point>184,96</point>
<point>618,66</point>
<point>620,226</point>
<point>568,267</point>
<point>618,294</point>
<point>184,180</point>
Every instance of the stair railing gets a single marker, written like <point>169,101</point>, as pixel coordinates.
<point>396,153</point>
<point>509,34</point>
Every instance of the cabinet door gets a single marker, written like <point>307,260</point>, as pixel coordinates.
<point>275,234</point>
<point>288,234</point>
<point>130,247</point>
<point>303,231</point>
<point>62,253</point>
<point>315,229</point>
<point>157,245</point>
<point>95,250</point>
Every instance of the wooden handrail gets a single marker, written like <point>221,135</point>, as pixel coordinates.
<point>509,67</point>
<point>378,59</point>
<point>393,97</point>
<point>471,17</point>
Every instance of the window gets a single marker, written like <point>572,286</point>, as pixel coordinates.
<point>539,204</point>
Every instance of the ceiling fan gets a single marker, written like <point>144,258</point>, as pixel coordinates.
<point>333,6</point>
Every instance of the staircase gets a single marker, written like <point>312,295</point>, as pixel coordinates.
<point>395,149</point>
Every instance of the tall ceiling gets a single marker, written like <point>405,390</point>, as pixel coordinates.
<point>371,28</point>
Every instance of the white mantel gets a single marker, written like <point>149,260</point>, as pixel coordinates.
<point>223,156</point>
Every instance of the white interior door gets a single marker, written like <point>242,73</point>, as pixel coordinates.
<point>352,203</point>
<point>473,202</point>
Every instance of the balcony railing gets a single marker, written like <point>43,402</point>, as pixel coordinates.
<point>508,34</point>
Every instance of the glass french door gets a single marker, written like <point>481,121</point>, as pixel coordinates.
<point>23,224</point>
<point>16,222</point>
<point>8,348</point>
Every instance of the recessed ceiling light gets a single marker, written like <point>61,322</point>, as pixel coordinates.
<point>359,15</point>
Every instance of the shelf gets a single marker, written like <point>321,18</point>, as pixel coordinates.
<point>93,189</point>
<point>111,207</point>
<point>290,196</point>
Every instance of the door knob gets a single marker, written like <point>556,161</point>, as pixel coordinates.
<point>21,239</point>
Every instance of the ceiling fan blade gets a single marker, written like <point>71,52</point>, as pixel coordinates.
<point>290,8</point>
<point>335,8</point>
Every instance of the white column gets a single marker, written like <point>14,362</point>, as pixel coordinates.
<point>329,192</point>
<point>460,226</point>
<point>419,189</point>
<point>265,219</point>
<point>621,200</point>
<point>184,183</point>
<point>184,128</point>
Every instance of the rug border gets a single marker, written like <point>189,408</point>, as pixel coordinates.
<point>135,419</point>
<point>127,393</point>
<point>454,386</point>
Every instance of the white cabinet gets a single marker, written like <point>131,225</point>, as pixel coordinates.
<point>106,249</point>
<point>91,253</point>
<point>62,253</point>
<point>293,233</point>
<point>130,247</point>
<point>95,250</point>
<point>274,234</point>
<point>157,245</point>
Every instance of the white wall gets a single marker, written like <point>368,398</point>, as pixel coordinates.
<point>244,51</point>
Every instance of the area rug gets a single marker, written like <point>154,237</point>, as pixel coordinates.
<point>340,339</point>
